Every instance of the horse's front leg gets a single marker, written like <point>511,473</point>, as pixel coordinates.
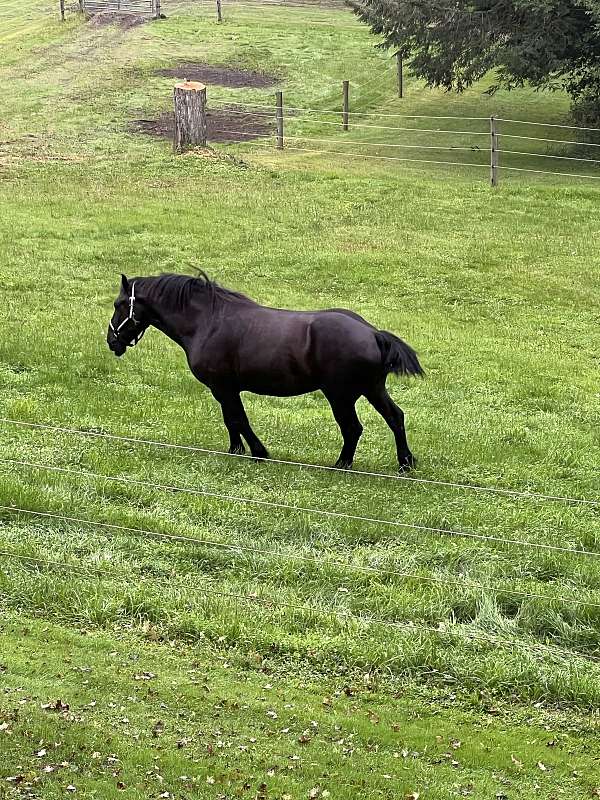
<point>238,425</point>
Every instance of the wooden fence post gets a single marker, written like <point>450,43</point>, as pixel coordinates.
<point>219,12</point>
<point>81,8</point>
<point>279,119</point>
<point>190,115</point>
<point>494,152</point>
<point>400,74</point>
<point>62,10</point>
<point>156,9</point>
<point>346,111</point>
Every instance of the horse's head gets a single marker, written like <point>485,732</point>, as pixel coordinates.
<point>129,322</point>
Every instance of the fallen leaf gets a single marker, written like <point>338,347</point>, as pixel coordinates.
<point>412,796</point>
<point>71,788</point>
<point>145,676</point>
<point>41,753</point>
<point>58,705</point>
<point>516,762</point>
<point>316,792</point>
<point>542,766</point>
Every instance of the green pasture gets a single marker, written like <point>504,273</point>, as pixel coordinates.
<point>398,639</point>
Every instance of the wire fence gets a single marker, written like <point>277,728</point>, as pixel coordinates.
<point>453,582</point>
<point>322,563</point>
<point>298,129</point>
<point>494,490</point>
<point>443,629</point>
<point>270,504</point>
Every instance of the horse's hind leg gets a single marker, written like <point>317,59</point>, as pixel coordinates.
<point>238,425</point>
<point>394,416</point>
<point>346,417</point>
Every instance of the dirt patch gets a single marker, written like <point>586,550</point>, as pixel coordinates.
<point>223,125</point>
<point>124,21</point>
<point>219,76</point>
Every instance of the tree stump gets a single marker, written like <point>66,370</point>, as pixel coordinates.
<point>190,115</point>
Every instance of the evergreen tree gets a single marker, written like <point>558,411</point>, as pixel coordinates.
<point>453,43</point>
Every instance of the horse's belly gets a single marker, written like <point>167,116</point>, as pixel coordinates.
<point>278,385</point>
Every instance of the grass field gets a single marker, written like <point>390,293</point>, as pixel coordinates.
<point>489,646</point>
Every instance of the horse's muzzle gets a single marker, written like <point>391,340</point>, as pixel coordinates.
<point>117,347</point>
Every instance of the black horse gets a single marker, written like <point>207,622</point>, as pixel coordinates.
<point>234,345</point>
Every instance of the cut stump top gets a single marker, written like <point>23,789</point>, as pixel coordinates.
<point>190,86</point>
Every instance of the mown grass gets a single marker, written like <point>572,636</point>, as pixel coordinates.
<point>141,719</point>
<point>498,291</point>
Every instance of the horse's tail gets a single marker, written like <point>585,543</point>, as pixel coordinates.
<point>397,356</point>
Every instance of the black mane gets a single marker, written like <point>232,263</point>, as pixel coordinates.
<point>178,290</point>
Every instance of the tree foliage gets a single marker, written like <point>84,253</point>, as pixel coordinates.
<point>453,43</point>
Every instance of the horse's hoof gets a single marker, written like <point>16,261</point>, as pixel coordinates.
<point>408,463</point>
<point>238,450</point>
<point>342,464</point>
<point>261,455</point>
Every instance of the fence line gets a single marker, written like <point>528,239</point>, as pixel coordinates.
<point>183,539</point>
<point>547,124</point>
<point>381,158</point>
<point>448,163</point>
<point>361,113</point>
<point>547,155</point>
<point>555,141</point>
<point>513,493</point>
<point>354,142</point>
<point>493,133</point>
<point>301,509</point>
<point>406,627</point>
<point>249,113</point>
<point>360,126</point>
<point>548,172</point>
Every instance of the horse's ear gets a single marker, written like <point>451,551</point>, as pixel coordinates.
<point>124,283</point>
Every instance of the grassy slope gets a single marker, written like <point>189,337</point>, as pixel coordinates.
<point>146,719</point>
<point>497,291</point>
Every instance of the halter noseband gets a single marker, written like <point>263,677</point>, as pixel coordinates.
<point>129,318</point>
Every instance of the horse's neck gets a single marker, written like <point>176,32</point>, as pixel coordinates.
<point>180,324</point>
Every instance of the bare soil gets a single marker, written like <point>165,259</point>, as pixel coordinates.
<point>219,76</point>
<point>124,21</point>
<point>223,125</point>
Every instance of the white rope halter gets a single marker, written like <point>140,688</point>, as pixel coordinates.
<point>129,318</point>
